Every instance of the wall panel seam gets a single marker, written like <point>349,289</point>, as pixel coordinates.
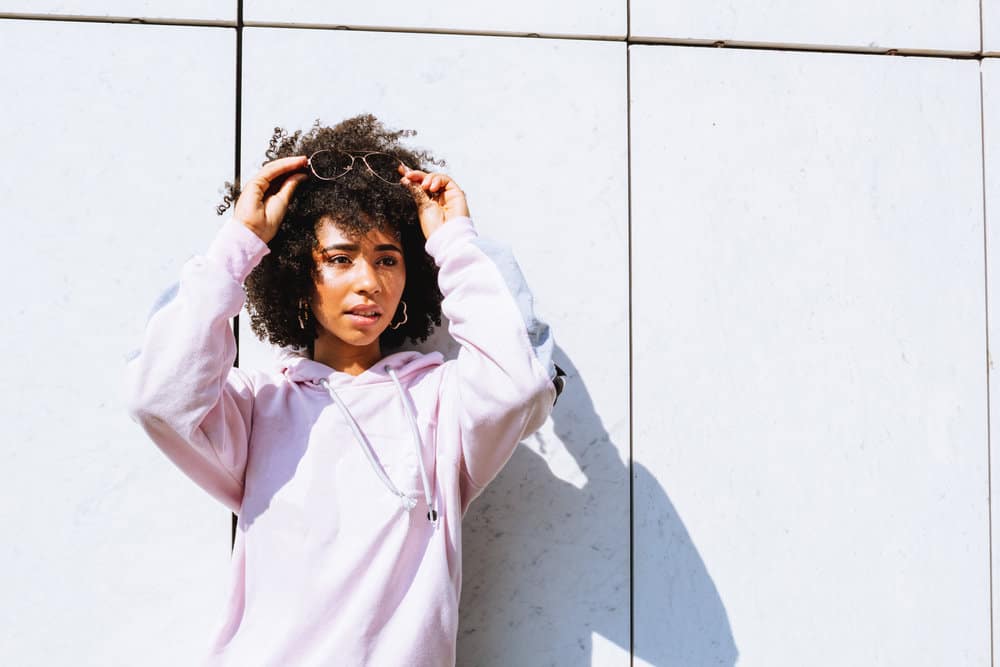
<point>981,43</point>
<point>72,18</point>
<point>989,363</point>
<point>627,38</point>
<point>237,158</point>
<point>631,375</point>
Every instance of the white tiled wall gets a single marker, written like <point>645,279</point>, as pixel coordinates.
<point>808,313</point>
<point>991,26</point>
<point>214,11</point>
<point>595,18</point>
<point>515,119</point>
<point>109,556</point>
<point>810,446</point>
<point>930,25</point>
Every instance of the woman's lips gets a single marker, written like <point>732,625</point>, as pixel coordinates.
<point>363,317</point>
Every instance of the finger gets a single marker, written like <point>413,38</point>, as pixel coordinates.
<point>419,196</point>
<point>276,168</point>
<point>288,187</point>
<point>415,176</point>
<point>439,181</point>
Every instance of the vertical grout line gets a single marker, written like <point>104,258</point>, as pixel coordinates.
<point>631,425</point>
<point>981,43</point>
<point>986,274</point>
<point>237,138</point>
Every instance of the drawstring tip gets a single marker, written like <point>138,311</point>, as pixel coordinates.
<point>432,516</point>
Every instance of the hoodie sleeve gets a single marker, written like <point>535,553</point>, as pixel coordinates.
<point>501,385</point>
<point>182,387</point>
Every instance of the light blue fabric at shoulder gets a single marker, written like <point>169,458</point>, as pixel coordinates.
<point>165,298</point>
<point>538,331</point>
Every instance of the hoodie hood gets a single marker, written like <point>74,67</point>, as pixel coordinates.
<point>295,366</point>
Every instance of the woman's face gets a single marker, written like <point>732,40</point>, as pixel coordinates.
<point>358,283</point>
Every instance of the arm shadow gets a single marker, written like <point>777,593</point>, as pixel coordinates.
<point>547,561</point>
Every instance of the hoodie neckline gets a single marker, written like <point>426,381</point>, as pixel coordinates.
<point>297,367</point>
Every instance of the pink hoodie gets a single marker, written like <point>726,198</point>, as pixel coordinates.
<point>330,567</point>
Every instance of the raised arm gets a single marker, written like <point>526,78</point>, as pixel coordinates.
<point>181,387</point>
<point>501,386</point>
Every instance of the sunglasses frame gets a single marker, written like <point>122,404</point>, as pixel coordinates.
<point>354,155</point>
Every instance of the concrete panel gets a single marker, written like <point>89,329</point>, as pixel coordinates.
<point>877,25</point>
<point>809,360</point>
<point>991,26</point>
<point>214,11</point>
<point>117,142</point>
<point>596,18</point>
<point>991,141</point>
<point>535,133</point>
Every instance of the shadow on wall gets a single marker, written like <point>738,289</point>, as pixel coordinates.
<point>546,564</point>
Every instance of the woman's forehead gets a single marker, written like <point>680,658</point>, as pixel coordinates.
<point>330,231</point>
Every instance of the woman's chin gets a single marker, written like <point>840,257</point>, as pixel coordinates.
<point>362,338</point>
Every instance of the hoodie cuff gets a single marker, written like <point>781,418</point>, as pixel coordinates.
<point>452,232</point>
<point>237,250</point>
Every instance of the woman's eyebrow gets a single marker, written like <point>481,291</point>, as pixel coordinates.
<point>353,247</point>
<point>341,246</point>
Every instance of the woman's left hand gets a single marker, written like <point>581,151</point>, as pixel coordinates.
<point>438,198</point>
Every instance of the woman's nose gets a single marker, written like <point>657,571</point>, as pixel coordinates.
<point>366,278</point>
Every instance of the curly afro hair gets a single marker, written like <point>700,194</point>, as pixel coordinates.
<point>357,203</point>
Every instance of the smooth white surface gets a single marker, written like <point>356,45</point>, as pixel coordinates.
<point>991,139</point>
<point>110,556</point>
<point>809,340</point>
<point>935,25</point>
<point>205,10</point>
<point>596,18</point>
<point>991,26</point>
<point>534,131</point>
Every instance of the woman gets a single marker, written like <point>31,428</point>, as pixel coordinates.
<point>351,465</point>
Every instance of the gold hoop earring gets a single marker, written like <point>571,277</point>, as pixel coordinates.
<point>303,313</point>
<point>404,320</point>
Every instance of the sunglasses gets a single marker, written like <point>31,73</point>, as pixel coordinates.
<point>331,164</point>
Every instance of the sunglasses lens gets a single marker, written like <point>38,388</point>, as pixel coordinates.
<point>330,164</point>
<point>384,166</point>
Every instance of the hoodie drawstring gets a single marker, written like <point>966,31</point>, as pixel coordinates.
<point>406,501</point>
<point>417,442</point>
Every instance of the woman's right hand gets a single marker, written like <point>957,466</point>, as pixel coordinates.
<point>263,202</point>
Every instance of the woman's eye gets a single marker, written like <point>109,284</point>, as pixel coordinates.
<point>339,259</point>
<point>389,261</point>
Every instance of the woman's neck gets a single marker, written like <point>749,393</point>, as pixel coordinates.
<point>344,357</point>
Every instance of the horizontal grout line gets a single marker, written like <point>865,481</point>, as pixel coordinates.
<point>210,23</point>
<point>436,31</point>
<point>620,39</point>
<point>776,46</point>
